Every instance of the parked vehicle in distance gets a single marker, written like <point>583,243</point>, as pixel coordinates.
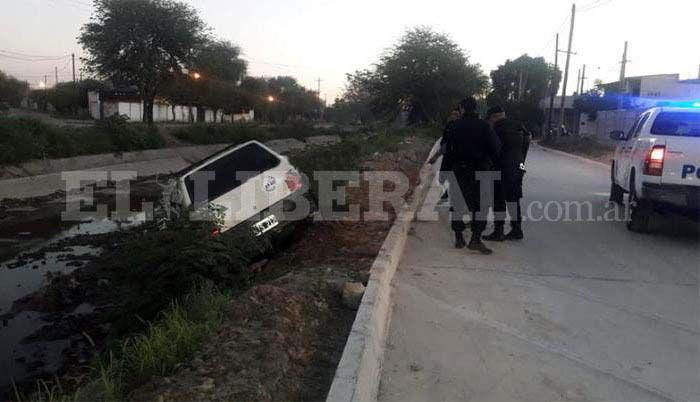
<point>658,164</point>
<point>254,188</point>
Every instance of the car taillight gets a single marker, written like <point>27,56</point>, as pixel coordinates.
<point>654,163</point>
<point>215,232</point>
<point>293,181</point>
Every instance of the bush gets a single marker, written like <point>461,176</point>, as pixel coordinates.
<point>154,275</point>
<point>25,139</point>
<point>579,145</point>
<point>202,133</point>
<point>206,133</point>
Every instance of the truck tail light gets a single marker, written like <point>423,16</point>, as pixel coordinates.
<point>654,163</point>
<point>293,181</point>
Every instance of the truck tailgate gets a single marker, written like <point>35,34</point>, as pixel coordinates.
<point>682,161</point>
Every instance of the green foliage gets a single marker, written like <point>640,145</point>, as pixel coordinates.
<point>218,59</point>
<point>425,72</point>
<point>141,42</point>
<point>69,98</point>
<point>239,133</point>
<point>25,139</point>
<point>12,90</point>
<point>522,102</point>
<point>172,339</point>
<point>154,275</point>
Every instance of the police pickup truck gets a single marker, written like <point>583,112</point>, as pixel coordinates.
<point>658,164</point>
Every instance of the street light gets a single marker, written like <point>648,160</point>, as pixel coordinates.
<point>270,98</point>
<point>196,75</point>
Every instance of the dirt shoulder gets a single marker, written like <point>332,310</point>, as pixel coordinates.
<point>581,146</point>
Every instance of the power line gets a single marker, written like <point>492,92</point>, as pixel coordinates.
<point>31,55</point>
<point>595,4</point>
<point>74,4</point>
<point>31,59</point>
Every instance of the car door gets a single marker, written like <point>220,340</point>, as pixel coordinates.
<point>627,148</point>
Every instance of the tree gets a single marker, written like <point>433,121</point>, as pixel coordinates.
<point>425,72</point>
<point>520,85</point>
<point>216,59</point>
<point>69,98</point>
<point>12,90</point>
<point>141,43</point>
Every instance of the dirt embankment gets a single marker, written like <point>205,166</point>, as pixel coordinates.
<point>280,340</point>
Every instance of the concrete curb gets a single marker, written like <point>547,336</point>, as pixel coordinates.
<point>578,157</point>
<point>357,376</point>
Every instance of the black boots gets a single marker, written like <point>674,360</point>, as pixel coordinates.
<point>475,244</point>
<point>459,240</point>
<point>497,234</point>
<point>515,234</point>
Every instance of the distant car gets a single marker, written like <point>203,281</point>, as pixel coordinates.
<point>255,188</point>
<point>658,164</point>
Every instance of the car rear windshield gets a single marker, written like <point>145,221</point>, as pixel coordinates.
<point>684,124</point>
<point>250,160</point>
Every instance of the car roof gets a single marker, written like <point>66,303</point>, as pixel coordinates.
<point>680,109</point>
<point>674,109</point>
<point>213,157</point>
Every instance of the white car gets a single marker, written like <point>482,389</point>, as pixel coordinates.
<point>658,164</point>
<point>256,188</point>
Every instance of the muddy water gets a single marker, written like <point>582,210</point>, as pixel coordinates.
<point>19,356</point>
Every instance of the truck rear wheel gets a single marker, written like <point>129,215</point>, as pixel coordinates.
<point>639,211</point>
<point>617,194</point>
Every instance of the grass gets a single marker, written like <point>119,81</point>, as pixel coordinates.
<point>172,339</point>
<point>23,139</point>
<point>238,133</point>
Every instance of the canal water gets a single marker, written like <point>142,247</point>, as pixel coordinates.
<point>20,357</point>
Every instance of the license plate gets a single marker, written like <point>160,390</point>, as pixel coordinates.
<point>265,225</point>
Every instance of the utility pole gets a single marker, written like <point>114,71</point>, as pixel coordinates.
<point>55,71</point>
<point>623,69</point>
<point>73,60</point>
<point>578,81</point>
<point>520,85</point>
<point>318,81</point>
<point>46,81</point>
<point>583,79</point>
<point>568,61</point>
<point>553,89</point>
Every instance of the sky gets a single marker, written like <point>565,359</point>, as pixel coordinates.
<point>325,39</point>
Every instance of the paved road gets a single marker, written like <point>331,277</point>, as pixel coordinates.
<point>578,311</point>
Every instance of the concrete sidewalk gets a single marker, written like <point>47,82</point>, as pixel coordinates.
<point>578,311</point>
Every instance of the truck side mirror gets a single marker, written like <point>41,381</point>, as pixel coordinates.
<point>617,135</point>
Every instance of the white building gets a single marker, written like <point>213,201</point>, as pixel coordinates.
<point>640,93</point>
<point>105,104</point>
<point>649,90</point>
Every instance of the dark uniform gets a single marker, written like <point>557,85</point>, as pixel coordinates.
<point>472,147</point>
<point>515,142</point>
<point>446,165</point>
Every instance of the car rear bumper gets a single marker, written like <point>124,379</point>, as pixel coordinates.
<point>282,213</point>
<point>679,198</point>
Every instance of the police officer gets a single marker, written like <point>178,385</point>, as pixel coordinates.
<point>473,147</point>
<point>515,141</point>
<point>446,165</point>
